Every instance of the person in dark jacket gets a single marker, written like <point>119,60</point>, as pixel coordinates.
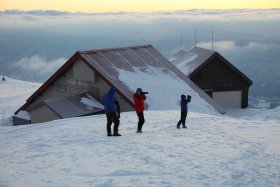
<point>118,108</point>
<point>110,110</point>
<point>184,110</point>
<point>139,98</point>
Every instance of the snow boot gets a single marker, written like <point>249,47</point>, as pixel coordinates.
<point>109,134</point>
<point>138,131</point>
<point>184,127</point>
<point>116,134</point>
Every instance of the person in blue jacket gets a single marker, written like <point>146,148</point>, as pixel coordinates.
<point>184,110</point>
<point>111,112</point>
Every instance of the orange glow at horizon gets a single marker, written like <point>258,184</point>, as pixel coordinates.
<point>91,6</point>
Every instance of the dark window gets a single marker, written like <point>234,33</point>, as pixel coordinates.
<point>77,90</point>
<point>60,87</point>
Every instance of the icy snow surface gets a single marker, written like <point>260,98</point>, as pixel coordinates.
<point>233,150</point>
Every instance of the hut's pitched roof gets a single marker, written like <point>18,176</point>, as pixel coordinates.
<point>194,59</point>
<point>144,60</point>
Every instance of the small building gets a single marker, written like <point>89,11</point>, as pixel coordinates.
<point>88,75</point>
<point>215,75</point>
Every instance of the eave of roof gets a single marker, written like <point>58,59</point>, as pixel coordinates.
<point>115,49</point>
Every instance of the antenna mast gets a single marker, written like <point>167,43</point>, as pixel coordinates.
<point>181,41</point>
<point>194,36</point>
<point>212,38</point>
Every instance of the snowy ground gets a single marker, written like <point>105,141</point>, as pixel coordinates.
<point>13,94</point>
<point>238,149</point>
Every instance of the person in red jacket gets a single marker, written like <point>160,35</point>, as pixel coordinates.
<point>139,98</point>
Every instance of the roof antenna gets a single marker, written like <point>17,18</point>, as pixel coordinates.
<point>181,41</point>
<point>212,39</point>
<point>195,37</point>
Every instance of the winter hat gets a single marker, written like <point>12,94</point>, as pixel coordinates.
<point>183,96</point>
<point>139,90</point>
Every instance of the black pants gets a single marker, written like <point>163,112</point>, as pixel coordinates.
<point>183,119</point>
<point>141,120</point>
<point>112,117</point>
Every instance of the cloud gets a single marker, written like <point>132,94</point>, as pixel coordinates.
<point>38,65</point>
<point>35,12</point>
<point>225,14</point>
<point>231,46</point>
<point>219,45</point>
<point>152,26</point>
<point>261,46</point>
<point>53,16</point>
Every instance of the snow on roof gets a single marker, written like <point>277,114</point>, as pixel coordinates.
<point>75,105</point>
<point>164,89</point>
<point>90,102</point>
<point>143,66</point>
<point>188,61</point>
<point>24,115</point>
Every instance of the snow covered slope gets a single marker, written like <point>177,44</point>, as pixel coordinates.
<point>235,150</point>
<point>13,94</point>
<point>214,151</point>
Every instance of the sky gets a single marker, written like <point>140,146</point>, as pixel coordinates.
<point>133,5</point>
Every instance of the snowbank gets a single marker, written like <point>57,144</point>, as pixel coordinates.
<point>213,151</point>
<point>270,114</point>
<point>253,113</point>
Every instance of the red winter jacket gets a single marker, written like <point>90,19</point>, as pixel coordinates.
<point>139,102</point>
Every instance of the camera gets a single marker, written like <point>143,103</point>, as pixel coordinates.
<point>143,93</point>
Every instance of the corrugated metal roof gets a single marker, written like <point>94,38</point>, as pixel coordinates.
<point>75,105</point>
<point>188,61</point>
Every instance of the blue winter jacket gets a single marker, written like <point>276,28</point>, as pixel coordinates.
<point>109,100</point>
<point>184,103</point>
